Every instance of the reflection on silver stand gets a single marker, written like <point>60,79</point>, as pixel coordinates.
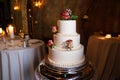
<point>45,71</point>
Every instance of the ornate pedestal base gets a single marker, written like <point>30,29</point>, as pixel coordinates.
<point>48,72</point>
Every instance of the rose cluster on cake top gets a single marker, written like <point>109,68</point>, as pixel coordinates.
<point>68,15</point>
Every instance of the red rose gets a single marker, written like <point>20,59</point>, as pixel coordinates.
<point>65,15</point>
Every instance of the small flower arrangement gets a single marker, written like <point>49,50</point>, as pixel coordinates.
<point>54,29</point>
<point>67,15</point>
<point>68,44</point>
<point>51,44</point>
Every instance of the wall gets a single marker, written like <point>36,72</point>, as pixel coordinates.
<point>103,17</point>
<point>4,13</point>
<point>46,16</point>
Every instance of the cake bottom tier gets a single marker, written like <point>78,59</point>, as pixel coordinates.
<point>48,72</point>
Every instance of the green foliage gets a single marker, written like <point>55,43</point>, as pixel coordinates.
<point>73,17</point>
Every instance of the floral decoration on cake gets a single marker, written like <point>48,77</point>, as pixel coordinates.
<point>54,29</point>
<point>68,44</point>
<point>67,15</point>
<point>51,44</point>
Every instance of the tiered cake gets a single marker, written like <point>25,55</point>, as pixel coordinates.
<point>67,51</point>
<point>66,59</point>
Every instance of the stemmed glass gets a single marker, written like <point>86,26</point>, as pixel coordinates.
<point>21,34</point>
<point>3,39</point>
<point>5,43</point>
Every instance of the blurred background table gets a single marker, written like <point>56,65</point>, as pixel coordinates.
<point>105,54</point>
<point>17,62</point>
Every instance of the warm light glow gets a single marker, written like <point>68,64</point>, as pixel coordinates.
<point>10,28</point>
<point>101,37</point>
<point>108,36</point>
<point>3,32</point>
<point>11,31</point>
<point>38,3</point>
<point>119,35</point>
<point>29,10</point>
<point>0,30</point>
<point>16,5</point>
<point>30,16</point>
<point>85,17</point>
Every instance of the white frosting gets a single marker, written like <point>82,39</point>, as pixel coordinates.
<point>64,58</point>
<point>67,26</point>
<point>60,56</point>
<point>59,40</point>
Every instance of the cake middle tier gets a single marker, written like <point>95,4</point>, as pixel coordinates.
<point>60,39</point>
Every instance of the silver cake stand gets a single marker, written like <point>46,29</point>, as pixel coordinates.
<point>45,71</point>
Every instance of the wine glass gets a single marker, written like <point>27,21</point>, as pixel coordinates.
<point>21,34</point>
<point>5,43</point>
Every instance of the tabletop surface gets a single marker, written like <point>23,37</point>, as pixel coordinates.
<point>18,62</point>
<point>100,37</point>
<point>104,54</point>
<point>18,44</point>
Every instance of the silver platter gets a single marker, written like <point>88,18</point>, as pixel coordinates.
<point>45,71</point>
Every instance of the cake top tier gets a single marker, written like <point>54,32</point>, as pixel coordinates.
<point>67,27</point>
<point>68,15</point>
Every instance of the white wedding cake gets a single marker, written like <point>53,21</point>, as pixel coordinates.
<point>65,49</point>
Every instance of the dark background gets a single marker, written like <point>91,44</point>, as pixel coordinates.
<point>104,16</point>
<point>4,13</point>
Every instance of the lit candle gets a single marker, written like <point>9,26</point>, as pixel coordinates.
<point>119,35</point>
<point>108,36</point>
<point>0,30</point>
<point>11,31</point>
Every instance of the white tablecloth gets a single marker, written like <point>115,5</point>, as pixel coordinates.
<point>104,53</point>
<point>18,63</point>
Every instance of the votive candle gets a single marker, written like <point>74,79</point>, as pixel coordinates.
<point>108,36</point>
